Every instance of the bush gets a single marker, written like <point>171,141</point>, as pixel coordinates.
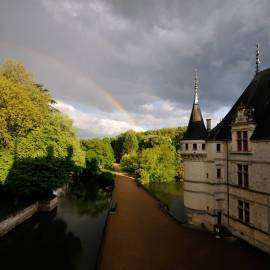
<point>129,162</point>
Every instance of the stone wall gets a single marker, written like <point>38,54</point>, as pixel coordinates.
<point>253,236</point>
<point>13,220</point>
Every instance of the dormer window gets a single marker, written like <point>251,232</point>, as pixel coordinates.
<point>186,146</point>
<point>203,146</point>
<point>194,146</point>
<point>242,141</point>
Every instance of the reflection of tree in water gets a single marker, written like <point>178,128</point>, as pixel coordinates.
<point>166,191</point>
<point>88,198</point>
<point>47,244</point>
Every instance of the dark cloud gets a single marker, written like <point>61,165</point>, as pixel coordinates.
<point>139,52</point>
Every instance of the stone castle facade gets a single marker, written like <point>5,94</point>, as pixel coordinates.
<point>227,168</point>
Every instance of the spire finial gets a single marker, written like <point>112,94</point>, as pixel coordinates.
<point>257,58</point>
<point>196,87</point>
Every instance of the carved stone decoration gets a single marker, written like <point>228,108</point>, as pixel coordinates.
<point>243,115</point>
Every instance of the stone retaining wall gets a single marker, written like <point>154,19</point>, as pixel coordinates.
<point>13,220</point>
<point>47,206</point>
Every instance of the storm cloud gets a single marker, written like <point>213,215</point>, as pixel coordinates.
<point>120,64</point>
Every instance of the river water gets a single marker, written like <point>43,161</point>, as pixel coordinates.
<point>171,194</point>
<point>67,238</point>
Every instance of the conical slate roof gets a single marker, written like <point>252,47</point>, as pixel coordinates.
<point>196,129</point>
<point>256,97</point>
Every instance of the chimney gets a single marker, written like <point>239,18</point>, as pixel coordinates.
<point>208,124</point>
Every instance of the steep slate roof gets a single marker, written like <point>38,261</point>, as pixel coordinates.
<point>196,129</point>
<point>257,97</point>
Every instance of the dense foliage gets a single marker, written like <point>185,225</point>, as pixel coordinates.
<point>99,154</point>
<point>157,164</point>
<point>39,148</point>
<point>174,134</point>
<point>124,144</point>
<point>157,158</point>
<point>22,108</point>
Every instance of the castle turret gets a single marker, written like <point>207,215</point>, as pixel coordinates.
<point>196,129</point>
<point>194,156</point>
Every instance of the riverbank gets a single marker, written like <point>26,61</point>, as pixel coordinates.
<point>141,236</point>
<point>12,220</point>
<point>69,237</point>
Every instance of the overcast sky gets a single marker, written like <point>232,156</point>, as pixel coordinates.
<point>115,65</point>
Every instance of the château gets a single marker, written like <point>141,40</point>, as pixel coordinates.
<point>227,168</point>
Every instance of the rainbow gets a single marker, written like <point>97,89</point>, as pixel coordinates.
<point>88,78</point>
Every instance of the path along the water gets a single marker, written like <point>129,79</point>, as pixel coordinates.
<point>141,236</point>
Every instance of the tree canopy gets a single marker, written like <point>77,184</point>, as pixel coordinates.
<point>22,105</point>
<point>39,148</point>
<point>157,157</point>
<point>99,153</point>
<point>125,143</point>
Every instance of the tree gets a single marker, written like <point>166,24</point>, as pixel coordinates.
<point>117,145</point>
<point>129,162</point>
<point>44,159</point>
<point>149,141</point>
<point>125,143</point>
<point>22,105</point>
<point>99,153</point>
<point>130,142</point>
<point>16,72</point>
<point>39,149</point>
<point>157,164</point>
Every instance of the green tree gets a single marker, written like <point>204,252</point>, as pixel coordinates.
<point>44,159</point>
<point>17,73</point>
<point>117,145</point>
<point>39,149</point>
<point>149,141</point>
<point>130,143</point>
<point>22,105</point>
<point>129,162</point>
<point>125,143</point>
<point>157,164</point>
<point>99,153</point>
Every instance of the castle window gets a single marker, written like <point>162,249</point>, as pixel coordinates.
<point>243,211</point>
<point>218,147</point>
<point>186,146</point>
<point>245,141</point>
<point>239,141</point>
<point>242,141</point>
<point>203,146</point>
<point>194,146</point>
<point>218,173</point>
<point>242,175</point>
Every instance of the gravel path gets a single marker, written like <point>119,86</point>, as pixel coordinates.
<point>140,236</point>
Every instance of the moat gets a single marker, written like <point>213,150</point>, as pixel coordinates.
<point>67,238</point>
<point>171,194</point>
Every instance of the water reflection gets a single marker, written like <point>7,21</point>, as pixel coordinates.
<point>171,194</point>
<point>87,199</point>
<point>67,238</point>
